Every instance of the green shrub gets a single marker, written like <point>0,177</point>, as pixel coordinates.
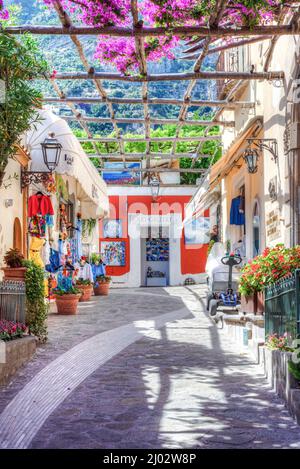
<point>36,305</point>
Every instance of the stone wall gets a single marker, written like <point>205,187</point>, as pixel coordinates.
<point>275,365</point>
<point>15,353</point>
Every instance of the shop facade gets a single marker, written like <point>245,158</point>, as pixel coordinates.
<point>268,193</point>
<point>51,209</point>
<point>144,243</point>
<point>13,202</point>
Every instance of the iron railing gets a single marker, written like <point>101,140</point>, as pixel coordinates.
<point>12,301</point>
<point>282,306</point>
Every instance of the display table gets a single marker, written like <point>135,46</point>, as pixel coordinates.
<point>156,282</point>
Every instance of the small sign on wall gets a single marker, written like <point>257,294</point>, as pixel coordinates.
<point>273,225</point>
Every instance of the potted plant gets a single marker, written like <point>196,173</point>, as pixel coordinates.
<point>263,270</point>
<point>86,288</point>
<point>15,269</point>
<point>102,285</point>
<point>67,300</point>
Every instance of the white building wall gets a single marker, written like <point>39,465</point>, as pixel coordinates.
<point>11,194</point>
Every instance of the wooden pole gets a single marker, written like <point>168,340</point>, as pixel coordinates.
<point>123,120</point>
<point>278,75</point>
<point>162,101</point>
<point>152,139</point>
<point>182,31</point>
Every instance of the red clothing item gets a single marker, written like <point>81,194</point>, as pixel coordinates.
<point>40,204</point>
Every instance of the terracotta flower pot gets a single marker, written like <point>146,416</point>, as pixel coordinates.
<point>260,302</point>
<point>253,304</point>
<point>249,304</point>
<point>102,289</point>
<point>67,304</point>
<point>14,273</point>
<point>87,291</point>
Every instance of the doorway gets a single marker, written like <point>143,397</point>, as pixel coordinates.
<point>256,230</point>
<point>155,261</point>
<point>17,235</point>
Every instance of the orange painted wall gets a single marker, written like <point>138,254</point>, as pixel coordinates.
<point>193,257</point>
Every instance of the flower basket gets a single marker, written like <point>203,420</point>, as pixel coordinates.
<point>67,304</point>
<point>254,303</point>
<point>86,290</point>
<point>260,302</point>
<point>14,270</point>
<point>249,303</point>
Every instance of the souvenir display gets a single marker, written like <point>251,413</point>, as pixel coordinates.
<point>112,228</point>
<point>197,231</point>
<point>84,270</point>
<point>113,253</point>
<point>157,249</point>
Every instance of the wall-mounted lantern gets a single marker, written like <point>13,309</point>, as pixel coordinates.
<point>51,149</point>
<point>155,186</point>
<point>256,145</point>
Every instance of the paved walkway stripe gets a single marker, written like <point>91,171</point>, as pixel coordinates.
<point>27,412</point>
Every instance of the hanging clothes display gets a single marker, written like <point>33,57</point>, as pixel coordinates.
<point>54,263</point>
<point>37,226</point>
<point>40,204</point>
<point>99,270</point>
<point>36,245</point>
<point>84,270</point>
<point>78,238</point>
<point>237,215</point>
<point>40,212</point>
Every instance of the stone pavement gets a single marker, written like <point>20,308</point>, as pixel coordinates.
<point>142,368</point>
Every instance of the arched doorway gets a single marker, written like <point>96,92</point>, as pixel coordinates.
<point>17,240</point>
<point>256,230</point>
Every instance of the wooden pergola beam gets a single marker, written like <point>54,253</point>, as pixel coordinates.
<point>135,156</point>
<point>215,50</point>
<point>153,121</point>
<point>275,75</point>
<point>152,101</point>
<point>181,31</point>
<point>151,139</point>
<point>155,169</point>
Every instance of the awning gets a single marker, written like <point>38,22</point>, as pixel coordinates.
<point>233,154</point>
<point>91,188</point>
<point>202,200</point>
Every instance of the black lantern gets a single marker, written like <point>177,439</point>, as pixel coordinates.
<point>51,149</point>
<point>251,157</point>
<point>155,186</point>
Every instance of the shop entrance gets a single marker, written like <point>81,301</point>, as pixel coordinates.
<point>155,256</point>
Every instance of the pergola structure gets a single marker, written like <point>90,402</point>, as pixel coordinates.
<point>205,41</point>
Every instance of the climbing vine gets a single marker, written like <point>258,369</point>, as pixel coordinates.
<point>36,306</point>
<point>88,225</point>
<point>121,51</point>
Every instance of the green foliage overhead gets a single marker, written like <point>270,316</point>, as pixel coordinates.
<point>20,63</point>
<point>210,148</point>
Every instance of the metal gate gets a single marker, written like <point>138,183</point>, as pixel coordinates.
<point>12,301</point>
<point>282,304</point>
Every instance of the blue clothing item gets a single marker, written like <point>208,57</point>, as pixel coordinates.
<point>78,240</point>
<point>66,283</point>
<point>98,270</point>
<point>236,217</point>
<point>49,220</point>
<point>54,261</point>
